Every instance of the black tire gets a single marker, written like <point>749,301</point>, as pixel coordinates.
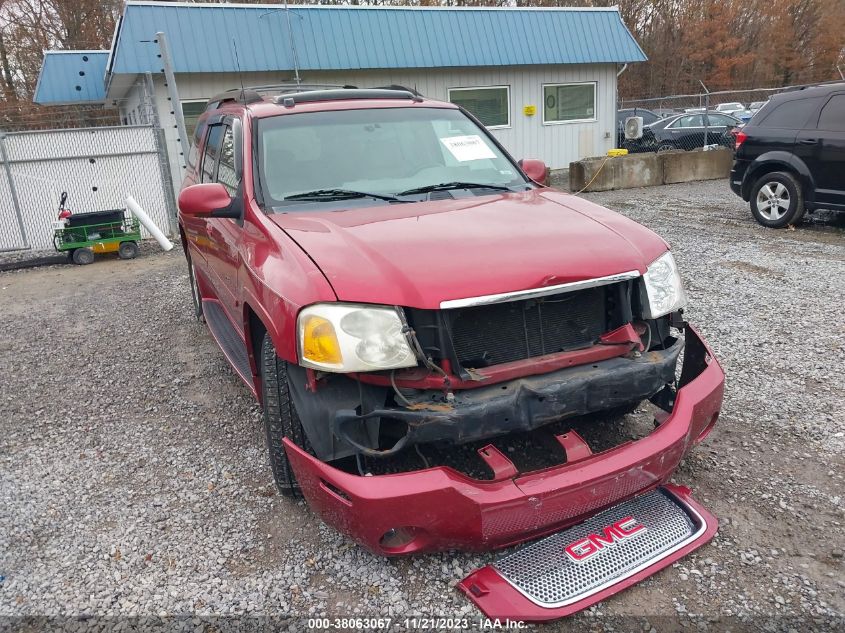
<point>127,250</point>
<point>83,256</point>
<point>665,147</point>
<point>280,418</point>
<point>777,200</point>
<point>196,299</point>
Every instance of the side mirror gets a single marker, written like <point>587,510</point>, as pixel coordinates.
<point>206,199</point>
<point>534,169</point>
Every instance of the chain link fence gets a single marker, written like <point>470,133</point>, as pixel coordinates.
<point>98,166</point>
<point>688,122</point>
<point>23,117</point>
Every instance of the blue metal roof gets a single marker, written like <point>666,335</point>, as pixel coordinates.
<point>341,38</point>
<point>72,77</point>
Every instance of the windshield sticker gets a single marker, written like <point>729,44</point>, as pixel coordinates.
<point>465,148</point>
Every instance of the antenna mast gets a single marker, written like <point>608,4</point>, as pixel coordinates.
<point>292,47</point>
<point>238,66</point>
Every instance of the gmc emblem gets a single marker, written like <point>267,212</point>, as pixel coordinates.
<point>591,545</point>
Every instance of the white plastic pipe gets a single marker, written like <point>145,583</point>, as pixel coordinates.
<point>142,216</point>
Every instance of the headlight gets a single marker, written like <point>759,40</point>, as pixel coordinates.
<point>346,337</point>
<point>664,289</point>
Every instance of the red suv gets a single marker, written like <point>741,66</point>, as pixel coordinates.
<point>397,292</point>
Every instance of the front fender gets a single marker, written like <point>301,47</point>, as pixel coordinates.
<point>277,279</point>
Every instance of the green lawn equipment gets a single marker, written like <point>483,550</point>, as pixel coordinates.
<point>83,234</point>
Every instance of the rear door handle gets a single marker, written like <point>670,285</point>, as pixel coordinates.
<point>808,141</point>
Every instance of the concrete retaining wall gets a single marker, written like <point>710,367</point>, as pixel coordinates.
<point>648,170</point>
<point>696,165</point>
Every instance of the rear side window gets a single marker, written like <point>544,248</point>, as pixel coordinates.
<point>212,148</point>
<point>691,120</point>
<point>789,115</point>
<point>720,120</point>
<point>226,164</point>
<point>193,153</point>
<point>832,116</point>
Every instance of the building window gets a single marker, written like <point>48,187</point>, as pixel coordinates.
<point>490,105</point>
<point>569,103</point>
<point>191,111</point>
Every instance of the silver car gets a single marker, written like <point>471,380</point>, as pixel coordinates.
<point>733,108</point>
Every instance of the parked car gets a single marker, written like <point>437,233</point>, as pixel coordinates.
<point>790,158</point>
<point>731,134</point>
<point>756,105</point>
<point>746,114</point>
<point>391,285</point>
<point>733,108</point>
<point>662,113</point>
<point>685,131</point>
<point>647,115</point>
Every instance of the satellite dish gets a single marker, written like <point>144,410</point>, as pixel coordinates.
<point>633,127</point>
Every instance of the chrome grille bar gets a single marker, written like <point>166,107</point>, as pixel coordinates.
<point>532,293</point>
<point>550,577</point>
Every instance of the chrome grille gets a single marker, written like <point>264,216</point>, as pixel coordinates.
<point>546,575</point>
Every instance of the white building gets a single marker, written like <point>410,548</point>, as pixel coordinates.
<point>542,80</point>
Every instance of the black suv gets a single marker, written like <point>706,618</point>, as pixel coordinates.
<point>790,158</point>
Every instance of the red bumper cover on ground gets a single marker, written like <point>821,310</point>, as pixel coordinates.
<point>444,509</point>
<point>500,599</point>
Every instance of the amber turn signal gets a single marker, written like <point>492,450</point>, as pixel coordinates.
<point>319,341</point>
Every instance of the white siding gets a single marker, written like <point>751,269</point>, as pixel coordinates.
<point>527,137</point>
<point>132,107</point>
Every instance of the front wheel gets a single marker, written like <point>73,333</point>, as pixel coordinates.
<point>83,256</point>
<point>776,200</point>
<point>280,418</point>
<point>665,147</point>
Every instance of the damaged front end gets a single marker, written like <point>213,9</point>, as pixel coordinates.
<point>522,404</point>
<point>420,503</point>
<point>493,369</point>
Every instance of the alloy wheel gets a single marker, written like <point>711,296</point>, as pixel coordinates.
<point>773,201</point>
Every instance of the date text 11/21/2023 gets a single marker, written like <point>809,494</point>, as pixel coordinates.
<point>416,623</point>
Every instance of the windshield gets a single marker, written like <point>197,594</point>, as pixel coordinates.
<point>377,155</point>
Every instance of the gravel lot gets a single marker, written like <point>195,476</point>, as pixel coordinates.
<point>133,477</point>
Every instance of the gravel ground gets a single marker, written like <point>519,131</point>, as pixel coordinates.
<point>133,477</point>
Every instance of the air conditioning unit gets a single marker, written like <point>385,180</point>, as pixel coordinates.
<point>633,127</point>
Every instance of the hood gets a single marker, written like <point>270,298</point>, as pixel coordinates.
<point>420,254</point>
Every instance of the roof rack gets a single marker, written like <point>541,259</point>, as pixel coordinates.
<point>253,94</point>
<point>829,85</point>
<point>413,91</point>
<point>343,94</point>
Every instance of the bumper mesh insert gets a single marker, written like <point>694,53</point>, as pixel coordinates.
<point>545,574</point>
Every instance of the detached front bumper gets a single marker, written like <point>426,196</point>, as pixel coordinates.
<point>444,509</point>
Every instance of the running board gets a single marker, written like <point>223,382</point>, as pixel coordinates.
<point>228,339</point>
<point>573,569</point>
